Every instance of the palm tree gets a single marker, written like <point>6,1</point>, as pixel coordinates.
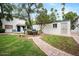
<point>53,15</point>
<point>55,10</point>
<point>56,13</point>
<point>63,8</point>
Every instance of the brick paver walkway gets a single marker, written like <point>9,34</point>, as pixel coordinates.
<point>75,36</point>
<point>48,49</point>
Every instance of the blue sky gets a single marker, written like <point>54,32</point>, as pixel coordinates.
<point>68,7</point>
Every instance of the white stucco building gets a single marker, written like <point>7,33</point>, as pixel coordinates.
<point>57,28</point>
<point>18,25</point>
<point>15,25</point>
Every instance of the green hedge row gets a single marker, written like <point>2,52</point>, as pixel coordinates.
<point>2,30</point>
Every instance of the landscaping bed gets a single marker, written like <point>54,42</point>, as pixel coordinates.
<point>67,44</point>
<point>11,45</point>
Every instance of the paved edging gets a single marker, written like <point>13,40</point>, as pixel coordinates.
<point>76,38</point>
<point>48,49</point>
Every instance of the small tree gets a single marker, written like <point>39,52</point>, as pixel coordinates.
<point>42,19</point>
<point>70,16</point>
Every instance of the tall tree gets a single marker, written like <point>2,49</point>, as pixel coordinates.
<point>6,12</point>
<point>38,8</point>
<point>63,9</point>
<point>29,9</point>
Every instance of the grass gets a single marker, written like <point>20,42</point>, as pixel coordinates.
<point>11,45</point>
<point>66,44</point>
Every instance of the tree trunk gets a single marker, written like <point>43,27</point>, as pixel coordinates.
<point>41,29</point>
<point>1,5</point>
<point>1,16</point>
<point>24,30</point>
<point>29,19</point>
<point>0,23</point>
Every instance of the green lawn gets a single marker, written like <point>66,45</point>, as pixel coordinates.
<point>14,46</point>
<point>66,44</point>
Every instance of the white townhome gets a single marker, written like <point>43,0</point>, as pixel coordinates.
<point>18,25</point>
<point>57,28</point>
<point>15,25</point>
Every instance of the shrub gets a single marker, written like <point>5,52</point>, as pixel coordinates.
<point>72,27</point>
<point>2,30</point>
<point>35,32</point>
<point>29,32</point>
<point>32,32</point>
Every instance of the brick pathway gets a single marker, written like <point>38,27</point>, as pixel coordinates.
<point>48,49</point>
<point>75,36</point>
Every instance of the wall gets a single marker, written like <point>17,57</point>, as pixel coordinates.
<point>48,29</point>
<point>77,21</point>
<point>37,27</point>
<point>15,22</point>
<point>67,25</point>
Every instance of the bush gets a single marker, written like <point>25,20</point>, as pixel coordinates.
<point>35,32</point>
<point>2,30</point>
<point>32,32</point>
<point>29,32</point>
<point>72,27</point>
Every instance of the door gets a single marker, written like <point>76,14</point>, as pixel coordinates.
<point>23,28</point>
<point>18,29</point>
<point>64,28</point>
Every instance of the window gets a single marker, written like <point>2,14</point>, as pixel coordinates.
<point>54,25</point>
<point>8,26</point>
